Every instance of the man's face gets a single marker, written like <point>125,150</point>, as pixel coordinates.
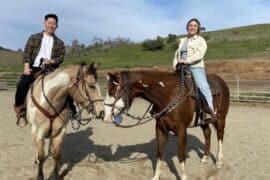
<point>50,25</point>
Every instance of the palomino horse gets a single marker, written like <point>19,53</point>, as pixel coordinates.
<point>47,109</point>
<point>160,88</point>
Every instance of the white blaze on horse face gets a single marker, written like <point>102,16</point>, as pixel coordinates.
<point>59,80</point>
<point>108,108</point>
<point>99,105</point>
<point>161,84</point>
<point>98,89</point>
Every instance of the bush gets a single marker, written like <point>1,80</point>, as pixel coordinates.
<point>171,38</point>
<point>153,45</point>
<point>206,37</point>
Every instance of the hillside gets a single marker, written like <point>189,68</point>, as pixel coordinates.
<point>241,42</point>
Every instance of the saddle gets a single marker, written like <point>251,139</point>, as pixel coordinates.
<point>193,90</point>
<point>21,110</point>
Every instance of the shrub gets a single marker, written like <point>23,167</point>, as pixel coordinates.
<point>153,45</point>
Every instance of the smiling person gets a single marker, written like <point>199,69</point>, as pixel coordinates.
<point>41,48</point>
<point>191,51</point>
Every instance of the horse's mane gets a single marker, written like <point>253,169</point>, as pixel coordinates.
<point>162,74</point>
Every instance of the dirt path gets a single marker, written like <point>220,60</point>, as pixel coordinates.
<point>103,152</point>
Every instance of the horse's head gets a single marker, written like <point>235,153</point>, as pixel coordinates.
<point>85,90</point>
<point>118,97</point>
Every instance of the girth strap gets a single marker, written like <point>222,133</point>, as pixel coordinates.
<point>44,111</point>
<point>51,117</point>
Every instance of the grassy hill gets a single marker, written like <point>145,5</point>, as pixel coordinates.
<point>241,42</point>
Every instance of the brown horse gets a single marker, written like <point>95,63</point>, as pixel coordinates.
<point>160,88</point>
<point>47,107</point>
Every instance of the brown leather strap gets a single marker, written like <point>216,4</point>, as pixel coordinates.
<point>44,111</point>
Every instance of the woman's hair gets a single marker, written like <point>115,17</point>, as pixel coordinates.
<point>197,21</point>
<point>54,16</point>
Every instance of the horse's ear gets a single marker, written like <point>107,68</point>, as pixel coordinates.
<point>93,67</point>
<point>113,77</point>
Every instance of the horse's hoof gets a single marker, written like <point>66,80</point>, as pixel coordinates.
<point>219,163</point>
<point>204,159</point>
<point>184,177</point>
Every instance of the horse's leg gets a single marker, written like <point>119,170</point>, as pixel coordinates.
<point>220,125</point>
<point>182,142</point>
<point>39,144</point>
<point>161,137</point>
<point>207,136</point>
<point>56,152</point>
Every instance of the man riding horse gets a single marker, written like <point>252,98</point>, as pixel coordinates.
<point>41,49</point>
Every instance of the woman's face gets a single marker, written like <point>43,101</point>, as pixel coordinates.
<point>193,28</point>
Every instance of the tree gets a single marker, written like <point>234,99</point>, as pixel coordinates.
<point>77,48</point>
<point>171,38</point>
<point>153,45</point>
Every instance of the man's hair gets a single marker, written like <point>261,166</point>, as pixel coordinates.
<point>54,16</point>
<point>197,21</point>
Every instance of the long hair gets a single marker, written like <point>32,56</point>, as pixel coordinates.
<point>197,21</point>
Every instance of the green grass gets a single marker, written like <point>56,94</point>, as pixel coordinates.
<point>130,56</point>
<point>248,41</point>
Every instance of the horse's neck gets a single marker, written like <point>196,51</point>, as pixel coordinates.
<point>157,91</point>
<point>56,87</point>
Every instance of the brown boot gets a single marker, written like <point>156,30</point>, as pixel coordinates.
<point>21,115</point>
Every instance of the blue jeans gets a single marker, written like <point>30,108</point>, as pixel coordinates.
<point>199,76</point>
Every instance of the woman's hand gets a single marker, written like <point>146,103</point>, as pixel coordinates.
<point>182,61</point>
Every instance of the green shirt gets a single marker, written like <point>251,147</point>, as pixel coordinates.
<point>33,45</point>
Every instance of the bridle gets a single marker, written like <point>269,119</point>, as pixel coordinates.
<point>144,119</point>
<point>57,112</point>
<point>91,102</point>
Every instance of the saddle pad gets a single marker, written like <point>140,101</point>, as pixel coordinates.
<point>214,87</point>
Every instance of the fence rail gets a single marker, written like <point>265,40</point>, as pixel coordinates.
<point>240,90</point>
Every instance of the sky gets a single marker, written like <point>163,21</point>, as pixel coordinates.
<point>135,19</point>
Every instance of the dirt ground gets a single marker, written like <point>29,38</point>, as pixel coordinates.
<point>102,151</point>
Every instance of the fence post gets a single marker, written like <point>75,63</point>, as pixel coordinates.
<point>238,87</point>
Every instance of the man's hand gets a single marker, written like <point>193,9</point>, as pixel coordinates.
<point>46,61</point>
<point>26,69</point>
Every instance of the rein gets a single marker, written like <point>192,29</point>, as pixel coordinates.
<point>145,119</point>
<point>57,113</point>
<point>82,121</point>
<point>43,110</point>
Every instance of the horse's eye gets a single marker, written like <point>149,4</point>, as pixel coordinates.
<point>92,86</point>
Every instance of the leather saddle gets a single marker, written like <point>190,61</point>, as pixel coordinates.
<point>191,86</point>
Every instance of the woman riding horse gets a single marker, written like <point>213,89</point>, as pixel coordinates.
<point>191,51</point>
